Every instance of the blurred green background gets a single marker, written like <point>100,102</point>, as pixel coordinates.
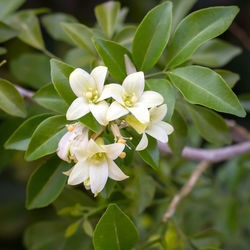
<point>221,199</point>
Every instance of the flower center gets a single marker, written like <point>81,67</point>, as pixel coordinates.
<point>129,99</point>
<point>98,156</point>
<point>92,95</point>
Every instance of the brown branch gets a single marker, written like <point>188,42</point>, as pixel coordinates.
<point>212,155</point>
<point>186,189</point>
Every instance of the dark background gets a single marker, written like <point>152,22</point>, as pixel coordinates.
<point>12,186</point>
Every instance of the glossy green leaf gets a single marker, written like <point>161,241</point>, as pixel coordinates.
<point>27,24</point>
<point>165,88</point>
<point>71,229</point>
<point>11,101</point>
<point>180,9</point>
<point>28,66</point>
<point>107,16</point>
<point>81,35</point>
<point>46,183</point>
<point>79,57</point>
<point>115,231</point>
<point>20,139</point>
<point>125,36</point>
<point>152,35</point>
<point>49,98</point>
<point>229,77</point>
<point>210,125</point>
<point>178,139</point>
<point>3,51</point>
<point>6,32</point>
<point>46,137</point>
<point>52,24</point>
<point>197,28</point>
<point>215,53</point>
<point>9,6</point>
<point>60,73</point>
<point>200,85</point>
<point>112,55</point>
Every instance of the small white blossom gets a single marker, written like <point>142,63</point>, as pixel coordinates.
<point>155,127</point>
<point>95,164</point>
<point>88,89</point>
<point>129,97</point>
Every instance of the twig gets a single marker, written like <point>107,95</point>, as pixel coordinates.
<point>241,35</point>
<point>238,133</point>
<point>212,155</point>
<point>95,135</point>
<point>186,189</point>
<point>26,94</point>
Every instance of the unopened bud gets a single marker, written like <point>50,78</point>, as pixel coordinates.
<point>122,155</point>
<point>70,128</point>
<point>121,140</point>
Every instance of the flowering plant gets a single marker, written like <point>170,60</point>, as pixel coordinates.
<point>119,94</point>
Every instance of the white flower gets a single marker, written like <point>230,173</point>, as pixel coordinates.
<point>95,164</point>
<point>88,88</point>
<point>129,97</point>
<point>156,127</point>
<point>64,145</point>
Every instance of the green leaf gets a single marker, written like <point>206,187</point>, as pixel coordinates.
<point>125,36</point>
<point>48,98</point>
<point>28,66</point>
<point>87,227</point>
<point>197,28</point>
<point>71,229</point>
<point>3,51</point>
<point>60,73</point>
<point>79,57</point>
<point>52,24</point>
<point>210,125</point>
<point>6,32</point>
<point>107,16</point>
<point>46,137</point>
<point>115,231</point>
<point>29,30</point>
<point>112,55</point>
<point>11,101</point>
<point>152,35</point>
<point>215,53</point>
<point>165,88</point>
<point>180,9</point>
<point>20,139</point>
<point>9,6</point>
<point>81,35</point>
<point>178,139</point>
<point>46,183</point>
<point>229,77</point>
<point>203,86</point>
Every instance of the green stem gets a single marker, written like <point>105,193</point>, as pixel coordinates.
<point>150,243</point>
<point>94,211</point>
<point>155,74</point>
<point>49,54</point>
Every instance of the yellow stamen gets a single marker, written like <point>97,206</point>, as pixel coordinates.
<point>121,140</point>
<point>122,155</point>
<point>89,94</point>
<point>70,127</point>
<point>133,99</point>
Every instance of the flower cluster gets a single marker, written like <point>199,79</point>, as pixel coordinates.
<point>131,106</point>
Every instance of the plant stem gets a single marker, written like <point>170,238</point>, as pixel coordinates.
<point>150,243</point>
<point>95,135</point>
<point>49,54</point>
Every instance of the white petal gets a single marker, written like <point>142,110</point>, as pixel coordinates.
<point>116,111</point>
<point>140,112</point>
<point>78,108</point>
<point>143,143</point>
<point>166,126</point>
<point>64,146</point>
<point>158,133</point>
<point>113,150</point>
<point>80,81</point>
<point>158,113</point>
<point>99,111</point>
<point>79,173</point>
<point>151,98</point>
<point>115,172</point>
<point>93,148</point>
<point>112,90</point>
<point>134,84</point>
<point>99,74</point>
<point>98,174</point>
